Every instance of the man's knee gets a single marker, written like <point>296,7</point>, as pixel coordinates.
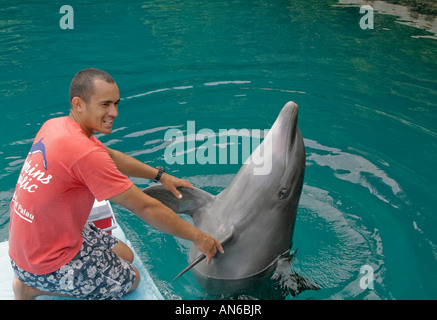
<point>123,251</point>
<point>136,280</point>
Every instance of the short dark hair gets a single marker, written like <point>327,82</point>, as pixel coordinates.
<point>82,85</point>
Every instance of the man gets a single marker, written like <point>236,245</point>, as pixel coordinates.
<point>53,249</point>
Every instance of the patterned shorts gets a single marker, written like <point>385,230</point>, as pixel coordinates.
<point>95,273</point>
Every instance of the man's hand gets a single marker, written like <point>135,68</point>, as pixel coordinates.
<point>204,242</point>
<point>171,183</point>
<point>208,246</point>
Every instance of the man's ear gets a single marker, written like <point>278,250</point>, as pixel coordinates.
<point>77,104</point>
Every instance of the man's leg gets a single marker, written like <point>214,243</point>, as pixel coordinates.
<point>64,276</point>
<point>125,253</point>
<point>23,292</point>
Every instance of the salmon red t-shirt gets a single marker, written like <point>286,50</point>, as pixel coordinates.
<point>63,173</point>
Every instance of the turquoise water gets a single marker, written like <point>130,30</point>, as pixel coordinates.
<point>368,115</point>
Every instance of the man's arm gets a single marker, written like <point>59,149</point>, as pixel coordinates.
<point>154,212</point>
<point>161,217</point>
<point>131,167</point>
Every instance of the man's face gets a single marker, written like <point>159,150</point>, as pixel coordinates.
<point>102,108</point>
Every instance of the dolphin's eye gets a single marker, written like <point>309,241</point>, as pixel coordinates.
<point>282,193</point>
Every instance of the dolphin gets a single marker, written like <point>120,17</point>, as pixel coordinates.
<point>254,216</point>
<point>39,147</point>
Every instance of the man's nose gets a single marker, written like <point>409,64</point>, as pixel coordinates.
<point>113,110</point>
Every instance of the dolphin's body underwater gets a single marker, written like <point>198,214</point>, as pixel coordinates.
<point>256,213</point>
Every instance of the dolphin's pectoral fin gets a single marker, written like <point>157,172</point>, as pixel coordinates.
<point>294,283</point>
<point>192,199</point>
<point>290,282</point>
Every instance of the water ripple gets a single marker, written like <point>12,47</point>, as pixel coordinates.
<point>352,168</point>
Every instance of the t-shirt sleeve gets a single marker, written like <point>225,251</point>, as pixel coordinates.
<point>99,173</point>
